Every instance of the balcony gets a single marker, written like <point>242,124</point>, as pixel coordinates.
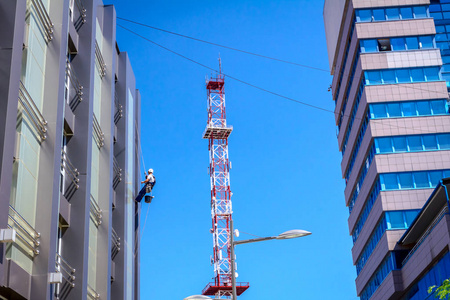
<point>119,109</point>
<point>33,113</point>
<point>98,133</point>
<point>68,272</point>
<point>43,17</point>
<point>99,61</point>
<point>80,18</point>
<point>27,237</point>
<point>72,175</point>
<point>74,94</point>
<point>95,212</point>
<point>92,294</point>
<point>117,173</point>
<point>115,244</point>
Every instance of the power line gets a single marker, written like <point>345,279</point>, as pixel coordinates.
<point>223,46</point>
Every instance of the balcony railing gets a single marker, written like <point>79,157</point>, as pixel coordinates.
<point>95,212</point>
<point>99,61</point>
<point>115,244</point>
<point>119,109</point>
<point>117,173</point>
<point>32,111</point>
<point>82,18</point>
<point>27,236</point>
<point>72,174</point>
<point>44,18</point>
<point>73,100</point>
<point>98,133</point>
<point>92,294</point>
<point>67,271</point>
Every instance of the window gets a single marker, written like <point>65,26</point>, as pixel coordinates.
<point>408,109</point>
<point>391,14</point>
<point>406,13</point>
<point>426,42</point>
<point>389,76</point>
<point>368,46</point>
<point>397,44</point>
<point>411,180</point>
<point>384,45</point>
<point>420,12</point>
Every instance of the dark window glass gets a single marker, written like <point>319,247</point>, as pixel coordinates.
<point>394,110</point>
<point>431,74</point>
<point>446,7</point>
<point>388,76</point>
<point>438,107</point>
<point>423,108</point>
<point>444,141</point>
<point>392,14</point>
<point>384,45</point>
<point>384,145</point>
<point>390,181</point>
<point>409,109</point>
<point>398,44</point>
<point>364,15</point>
<point>417,75</point>
<point>406,13</point>
<point>426,42</point>
<point>421,180</point>
<point>399,144</point>
<point>412,43</point>
<point>378,15</point>
<point>446,15</point>
<point>420,12</point>
<point>406,180</point>
<point>414,143</point>
<point>396,220</point>
<point>429,142</point>
<point>403,75</point>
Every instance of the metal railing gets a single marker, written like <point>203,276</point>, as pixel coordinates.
<point>28,237</point>
<point>67,270</point>
<point>44,18</point>
<point>98,133</point>
<point>33,112</point>
<point>119,109</point>
<point>99,61</point>
<point>75,83</point>
<point>95,212</point>
<point>70,170</point>
<point>92,294</point>
<point>115,244</point>
<point>426,234</point>
<point>117,173</point>
<point>82,11</point>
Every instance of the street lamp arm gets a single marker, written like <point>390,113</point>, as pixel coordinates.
<point>254,240</point>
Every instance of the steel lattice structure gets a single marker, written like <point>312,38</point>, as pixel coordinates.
<point>217,132</point>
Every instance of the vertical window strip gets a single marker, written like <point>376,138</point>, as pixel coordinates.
<point>353,114</point>
<point>349,87</point>
<point>347,50</point>
<point>366,210</point>
<point>377,279</point>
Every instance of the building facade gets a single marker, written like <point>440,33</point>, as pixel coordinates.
<point>389,60</point>
<point>69,167</point>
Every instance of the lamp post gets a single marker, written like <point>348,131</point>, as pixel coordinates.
<point>291,234</point>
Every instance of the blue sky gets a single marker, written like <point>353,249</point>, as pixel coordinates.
<point>285,159</point>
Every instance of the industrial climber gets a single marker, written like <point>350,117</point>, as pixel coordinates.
<point>149,182</point>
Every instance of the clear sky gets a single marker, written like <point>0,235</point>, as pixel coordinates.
<point>285,160</point>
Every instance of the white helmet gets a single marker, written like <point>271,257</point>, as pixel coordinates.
<point>150,170</point>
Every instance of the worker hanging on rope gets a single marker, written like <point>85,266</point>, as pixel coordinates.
<point>149,183</point>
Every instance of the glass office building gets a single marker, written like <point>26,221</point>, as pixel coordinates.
<point>69,140</point>
<point>390,62</point>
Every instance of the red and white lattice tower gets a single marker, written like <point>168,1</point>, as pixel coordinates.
<point>217,132</point>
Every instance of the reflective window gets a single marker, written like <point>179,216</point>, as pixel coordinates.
<point>391,13</point>
<point>408,109</point>
<point>390,76</point>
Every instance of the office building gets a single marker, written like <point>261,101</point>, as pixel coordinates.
<point>389,60</point>
<point>69,140</point>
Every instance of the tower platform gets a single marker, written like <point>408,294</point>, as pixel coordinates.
<point>217,132</point>
<point>211,289</point>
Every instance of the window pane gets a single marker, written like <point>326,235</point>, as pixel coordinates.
<point>392,14</point>
<point>431,74</point>
<point>446,7</point>
<point>364,15</point>
<point>390,181</point>
<point>406,12</point>
<point>421,180</point>
<point>423,108</point>
<point>388,76</point>
<point>440,29</point>
<point>435,176</point>
<point>444,141</point>
<point>441,37</point>
<point>378,15</point>
<point>436,15</point>
<point>414,143</point>
<point>403,76</point>
<point>435,7</point>
<point>410,215</point>
<point>398,44</point>
<point>368,46</point>
<point>438,107</point>
<point>417,75</point>
<point>373,77</point>
<point>378,110</point>
<point>396,219</point>
<point>412,43</point>
<point>409,109</point>
<point>426,42</point>
<point>446,174</point>
<point>420,12</point>
<point>384,45</point>
<point>429,142</point>
<point>446,15</point>
<point>446,59</point>
<point>442,45</point>
<point>399,144</point>
<point>384,145</point>
<point>394,110</point>
<point>406,180</point>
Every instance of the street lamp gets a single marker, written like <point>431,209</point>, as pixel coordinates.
<point>290,234</point>
<point>197,297</point>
